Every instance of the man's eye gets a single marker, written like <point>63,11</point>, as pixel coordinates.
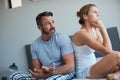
<point>47,23</point>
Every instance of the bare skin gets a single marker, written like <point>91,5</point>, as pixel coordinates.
<point>101,42</point>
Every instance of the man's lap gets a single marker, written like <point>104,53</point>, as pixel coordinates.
<point>28,76</point>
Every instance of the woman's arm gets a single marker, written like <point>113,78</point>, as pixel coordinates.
<point>85,39</point>
<point>103,33</point>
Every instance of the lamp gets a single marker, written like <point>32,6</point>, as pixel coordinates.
<point>13,67</point>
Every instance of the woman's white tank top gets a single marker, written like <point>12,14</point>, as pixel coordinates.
<point>84,56</point>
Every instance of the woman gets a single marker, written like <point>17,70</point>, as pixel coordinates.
<point>93,36</point>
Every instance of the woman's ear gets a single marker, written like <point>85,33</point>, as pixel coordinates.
<point>85,17</point>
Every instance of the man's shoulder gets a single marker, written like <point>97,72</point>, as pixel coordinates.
<point>62,38</point>
<point>36,41</point>
<point>61,35</point>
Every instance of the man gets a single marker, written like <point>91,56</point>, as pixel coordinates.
<point>52,52</point>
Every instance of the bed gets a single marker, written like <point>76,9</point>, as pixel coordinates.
<point>114,37</point>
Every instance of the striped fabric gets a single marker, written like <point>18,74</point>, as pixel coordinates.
<point>27,76</point>
<point>21,76</point>
<point>61,77</point>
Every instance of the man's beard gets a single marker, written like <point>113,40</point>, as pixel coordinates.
<point>48,32</point>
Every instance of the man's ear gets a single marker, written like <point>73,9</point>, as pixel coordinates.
<point>39,27</point>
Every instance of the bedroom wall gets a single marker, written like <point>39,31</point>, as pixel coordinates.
<point>18,26</point>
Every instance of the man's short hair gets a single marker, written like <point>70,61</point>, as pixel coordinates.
<point>40,15</point>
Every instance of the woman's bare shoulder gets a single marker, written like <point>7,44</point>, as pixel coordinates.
<point>81,33</point>
<point>80,36</point>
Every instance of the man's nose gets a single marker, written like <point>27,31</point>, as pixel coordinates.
<point>52,25</point>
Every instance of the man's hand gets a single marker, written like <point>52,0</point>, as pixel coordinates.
<point>38,73</point>
<point>44,72</point>
<point>50,70</point>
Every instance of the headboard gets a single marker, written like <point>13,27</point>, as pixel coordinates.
<point>112,32</point>
<point>114,37</point>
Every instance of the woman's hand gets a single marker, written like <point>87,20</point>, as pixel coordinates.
<point>98,24</point>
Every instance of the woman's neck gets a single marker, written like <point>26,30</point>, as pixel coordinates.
<point>87,27</point>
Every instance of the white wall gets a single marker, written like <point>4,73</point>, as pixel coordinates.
<point>18,26</point>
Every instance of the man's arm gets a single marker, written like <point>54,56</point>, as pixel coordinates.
<point>67,67</point>
<point>36,64</point>
<point>38,71</point>
<point>68,64</point>
<point>67,52</point>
